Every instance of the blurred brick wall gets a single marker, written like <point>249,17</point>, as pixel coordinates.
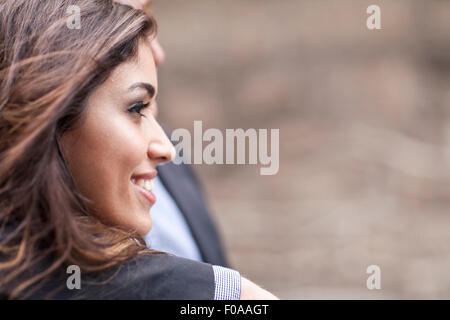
<point>364,119</point>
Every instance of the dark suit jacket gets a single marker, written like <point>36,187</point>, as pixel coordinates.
<point>155,276</point>
<point>145,276</point>
<point>184,188</point>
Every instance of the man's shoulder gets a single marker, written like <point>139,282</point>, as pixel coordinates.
<point>164,276</point>
<point>151,276</point>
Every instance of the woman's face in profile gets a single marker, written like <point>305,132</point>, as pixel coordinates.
<point>114,149</point>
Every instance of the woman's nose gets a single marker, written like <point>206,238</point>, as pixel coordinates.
<point>160,148</point>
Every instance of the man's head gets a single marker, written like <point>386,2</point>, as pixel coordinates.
<point>157,50</point>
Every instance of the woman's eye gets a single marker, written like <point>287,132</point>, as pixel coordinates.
<point>136,108</point>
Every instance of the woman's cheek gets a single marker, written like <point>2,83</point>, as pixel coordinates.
<point>131,147</point>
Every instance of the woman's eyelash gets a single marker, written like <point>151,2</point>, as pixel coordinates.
<point>136,108</point>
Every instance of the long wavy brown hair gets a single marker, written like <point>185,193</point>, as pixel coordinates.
<point>47,72</point>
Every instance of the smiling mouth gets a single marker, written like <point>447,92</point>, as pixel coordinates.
<point>145,186</point>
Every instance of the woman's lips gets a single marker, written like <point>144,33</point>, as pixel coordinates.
<point>144,184</point>
<point>147,194</point>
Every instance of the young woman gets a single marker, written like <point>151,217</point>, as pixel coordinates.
<point>78,150</point>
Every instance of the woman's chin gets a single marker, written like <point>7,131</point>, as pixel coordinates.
<point>145,226</point>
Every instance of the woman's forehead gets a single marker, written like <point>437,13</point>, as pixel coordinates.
<point>141,69</point>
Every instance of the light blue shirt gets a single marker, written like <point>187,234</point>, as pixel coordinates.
<point>170,231</point>
<point>227,283</point>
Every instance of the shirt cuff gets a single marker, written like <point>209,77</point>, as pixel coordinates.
<point>227,284</point>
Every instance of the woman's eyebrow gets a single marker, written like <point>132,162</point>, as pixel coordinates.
<point>144,85</point>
